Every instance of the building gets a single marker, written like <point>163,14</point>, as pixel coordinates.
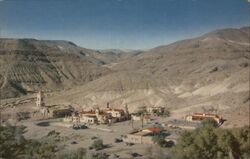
<point>40,99</point>
<point>136,117</point>
<point>144,136</point>
<point>117,114</point>
<point>88,117</point>
<point>155,109</point>
<point>141,117</point>
<point>59,111</point>
<point>105,116</point>
<point>53,111</point>
<point>201,116</point>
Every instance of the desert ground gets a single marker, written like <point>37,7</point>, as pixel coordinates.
<point>37,127</point>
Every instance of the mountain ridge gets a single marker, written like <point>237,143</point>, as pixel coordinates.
<point>186,76</point>
<point>211,70</point>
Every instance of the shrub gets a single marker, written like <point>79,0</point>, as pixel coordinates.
<point>165,113</point>
<point>213,70</point>
<point>118,140</point>
<point>160,140</point>
<point>41,149</point>
<point>209,123</point>
<point>22,116</point>
<point>98,144</point>
<point>80,153</point>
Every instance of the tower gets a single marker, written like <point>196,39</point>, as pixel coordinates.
<point>40,99</point>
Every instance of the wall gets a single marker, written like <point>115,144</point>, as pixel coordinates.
<point>137,139</point>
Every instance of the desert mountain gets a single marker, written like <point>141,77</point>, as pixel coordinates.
<point>207,73</point>
<point>28,65</point>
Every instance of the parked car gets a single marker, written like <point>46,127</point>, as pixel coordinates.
<point>135,154</point>
<point>73,142</point>
<point>77,127</point>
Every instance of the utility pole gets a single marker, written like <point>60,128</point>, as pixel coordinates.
<point>0,115</point>
<point>132,123</point>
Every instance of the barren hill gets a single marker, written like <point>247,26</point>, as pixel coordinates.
<point>27,65</point>
<point>207,73</point>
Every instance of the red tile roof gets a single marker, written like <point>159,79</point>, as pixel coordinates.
<point>119,110</point>
<point>206,115</point>
<point>154,129</point>
<point>87,112</point>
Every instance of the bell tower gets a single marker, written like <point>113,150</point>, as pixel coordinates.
<point>40,100</point>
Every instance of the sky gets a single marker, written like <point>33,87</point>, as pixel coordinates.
<point>119,24</point>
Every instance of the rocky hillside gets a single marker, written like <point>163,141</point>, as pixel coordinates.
<point>207,73</point>
<point>27,65</point>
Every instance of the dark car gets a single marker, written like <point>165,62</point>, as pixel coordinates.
<point>77,127</point>
<point>135,154</point>
<point>73,142</point>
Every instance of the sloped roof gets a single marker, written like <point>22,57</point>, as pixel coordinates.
<point>153,129</point>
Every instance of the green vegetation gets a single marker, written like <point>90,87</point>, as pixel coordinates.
<point>13,145</point>
<point>165,113</point>
<point>81,153</point>
<point>211,142</point>
<point>206,142</point>
<point>209,123</point>
<point>98,144</point>
<point>22,116</point>
<point>159,139</point>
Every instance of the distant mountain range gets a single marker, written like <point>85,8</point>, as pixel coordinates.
<point>210,71</point>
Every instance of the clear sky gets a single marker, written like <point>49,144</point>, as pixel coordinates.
<point>124,24</point>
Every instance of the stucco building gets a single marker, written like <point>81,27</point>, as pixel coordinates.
<point>103,116</point>
<point>144,136</point>
<point>201,116</point>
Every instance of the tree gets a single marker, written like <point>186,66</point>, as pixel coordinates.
<point>164,113</point>
<point>242,135</point>
<point>160,140</point>
<point>12,141</point>
<point>41,149</point>
<point>22,116</point>
<point>228,144</point>
<point>209,123</point>
<point>14,145</point>
<point>211,142</point>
